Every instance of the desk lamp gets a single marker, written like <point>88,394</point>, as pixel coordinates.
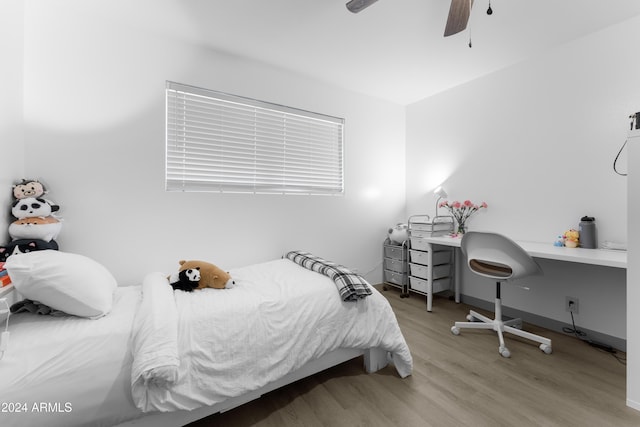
<point>440,194</point>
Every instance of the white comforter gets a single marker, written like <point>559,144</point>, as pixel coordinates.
<point>69,371</point>
<point>200,348</point>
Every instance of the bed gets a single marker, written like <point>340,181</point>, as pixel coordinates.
<point>161,357</point>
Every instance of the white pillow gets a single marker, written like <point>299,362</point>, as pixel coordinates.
<point>64,281</point>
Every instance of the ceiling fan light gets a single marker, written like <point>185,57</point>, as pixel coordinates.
<point>356,6</point>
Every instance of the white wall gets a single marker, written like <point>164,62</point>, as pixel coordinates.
<point>94,112</point>
<point>536,141</point>
<point>11,124</point>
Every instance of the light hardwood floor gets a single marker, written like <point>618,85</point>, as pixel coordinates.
<point>457,381</point>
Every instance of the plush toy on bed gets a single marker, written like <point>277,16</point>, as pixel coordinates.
<point>35,215</point>
<point>23,246</point>
<point>210,275</point>
<point>40,228</point>
<point>32,207</point>
<point>185,280</point>
<point>34,190</point>
<point>28,188</point>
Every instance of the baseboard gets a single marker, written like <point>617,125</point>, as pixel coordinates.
<point>633,404</point>
<point>554,325</point>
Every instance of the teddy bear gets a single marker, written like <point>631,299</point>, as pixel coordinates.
<point>211,276</point>
<point>185,280</point>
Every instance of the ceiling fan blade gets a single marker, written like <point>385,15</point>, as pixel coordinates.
<point>459,12</point>
<point>356,6</point>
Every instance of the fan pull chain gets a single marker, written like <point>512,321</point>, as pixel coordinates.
<point>469,22</point>
<point>489,12</point>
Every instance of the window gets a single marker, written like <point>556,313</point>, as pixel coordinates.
<point>225,143</point>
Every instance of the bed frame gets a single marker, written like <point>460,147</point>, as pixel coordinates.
<point>374,360</point>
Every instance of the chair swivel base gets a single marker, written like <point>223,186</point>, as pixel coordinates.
<point>511,326</point>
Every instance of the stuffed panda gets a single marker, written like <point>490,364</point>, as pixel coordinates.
<point>186,280</point>
<point>30,207</point>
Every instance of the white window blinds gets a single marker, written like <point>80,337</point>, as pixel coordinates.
<point>225,143</point>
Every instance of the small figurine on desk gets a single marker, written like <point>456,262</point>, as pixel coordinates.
<point>571,238</point>
<point>559,242</point>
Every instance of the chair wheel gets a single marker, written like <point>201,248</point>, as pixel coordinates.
<point>546,348</point>
<point>504,352</point>
<point>470,318</point>
<point>455,331</point>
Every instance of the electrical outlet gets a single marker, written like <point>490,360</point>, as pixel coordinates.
<point>571,304</point>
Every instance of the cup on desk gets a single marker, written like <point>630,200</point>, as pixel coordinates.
<point>587,229</point>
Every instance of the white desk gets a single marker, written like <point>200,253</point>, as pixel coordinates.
<point>604,257</point>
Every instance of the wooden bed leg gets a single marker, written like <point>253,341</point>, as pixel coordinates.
<point>375,359</point>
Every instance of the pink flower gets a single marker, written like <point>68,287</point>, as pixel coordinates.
<point>462,211</point>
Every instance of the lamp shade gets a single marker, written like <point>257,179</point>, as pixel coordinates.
<point>440,193</point>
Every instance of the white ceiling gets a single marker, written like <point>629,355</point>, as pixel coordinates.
<point>393,50</point>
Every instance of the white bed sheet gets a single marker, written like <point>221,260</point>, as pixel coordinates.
<point>69,371</point>
<point>290,315</point>
<point>72,371</point>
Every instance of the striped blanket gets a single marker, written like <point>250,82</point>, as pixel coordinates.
<point>351,286</point>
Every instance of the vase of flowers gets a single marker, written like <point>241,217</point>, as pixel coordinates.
<point>461,211</point>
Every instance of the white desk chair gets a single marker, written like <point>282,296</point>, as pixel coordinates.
<point>498,257</point>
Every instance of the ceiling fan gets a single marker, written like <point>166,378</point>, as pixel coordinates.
<point>458,13</point>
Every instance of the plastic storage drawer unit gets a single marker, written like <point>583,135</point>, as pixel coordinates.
<point>421,285</point>
<point>437,257</point>
<point>422,271</point>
